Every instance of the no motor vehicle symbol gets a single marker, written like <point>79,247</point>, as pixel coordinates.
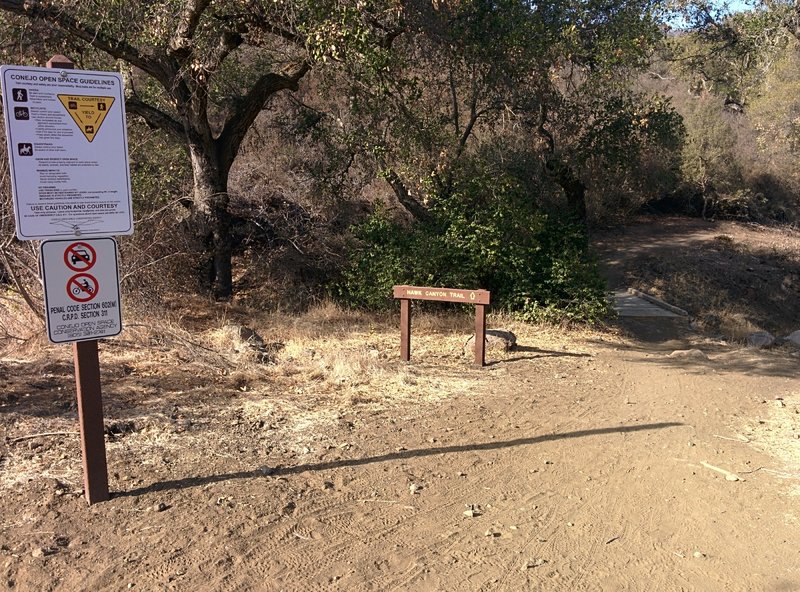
<point>80,256</point>
<point>82,287</point>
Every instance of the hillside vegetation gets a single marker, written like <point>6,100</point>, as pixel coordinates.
<point>284,152</point>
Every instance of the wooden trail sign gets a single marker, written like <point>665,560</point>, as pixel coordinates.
<point>479,298</point>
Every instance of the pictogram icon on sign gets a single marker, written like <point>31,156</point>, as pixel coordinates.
<point>87,112</point>
<point>82,287</point>
<point>80,256</point>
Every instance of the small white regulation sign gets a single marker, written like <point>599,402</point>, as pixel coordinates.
<point>81,289</point>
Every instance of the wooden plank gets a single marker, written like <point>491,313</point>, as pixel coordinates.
<point>405,330</point>
<point>443,294</point>
<point>480,335</point>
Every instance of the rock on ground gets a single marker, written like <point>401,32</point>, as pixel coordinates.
<point>760,339</point>
<point>496,339</point>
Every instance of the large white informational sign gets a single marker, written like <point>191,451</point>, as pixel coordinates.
<point>68,151</point>
<point>81,289</point>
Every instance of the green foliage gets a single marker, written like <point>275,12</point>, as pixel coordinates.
<point>709,160</point>
<point>488,235</point>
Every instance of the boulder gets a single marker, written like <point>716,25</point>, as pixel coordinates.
<point>496,340</point>
<point>794,338</point>
<point>760,339</point>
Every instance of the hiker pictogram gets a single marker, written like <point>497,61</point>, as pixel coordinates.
<point>80,256</point>
<point>20,95</point>
<point>82,287</point>
<point>87,112</point>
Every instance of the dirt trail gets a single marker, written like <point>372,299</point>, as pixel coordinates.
<point>580,462</point>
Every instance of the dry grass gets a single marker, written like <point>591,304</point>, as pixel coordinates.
<point>190,365</point>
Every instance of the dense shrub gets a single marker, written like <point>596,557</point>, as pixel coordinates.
<point>488,234</point>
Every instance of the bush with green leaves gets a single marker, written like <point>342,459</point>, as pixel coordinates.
<point>490,234</point>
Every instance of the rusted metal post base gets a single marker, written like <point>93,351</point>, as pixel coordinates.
<point>480,335</point>
<point>405,330</point>
<point>90,416</point>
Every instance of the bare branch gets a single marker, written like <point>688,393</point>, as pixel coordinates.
<point>228,41</point>
<point>21,289</point>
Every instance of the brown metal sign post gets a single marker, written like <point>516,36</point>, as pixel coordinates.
<point>479,298</point>
<point>90,416</point>
<point>90,401</point>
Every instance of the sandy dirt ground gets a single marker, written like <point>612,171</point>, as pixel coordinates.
<point>580,461</point>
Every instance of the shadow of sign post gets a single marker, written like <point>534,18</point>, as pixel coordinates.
<point>479,298</point>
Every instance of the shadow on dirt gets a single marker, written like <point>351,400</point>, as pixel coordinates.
<point>540,353</point>
<point>177,484</point>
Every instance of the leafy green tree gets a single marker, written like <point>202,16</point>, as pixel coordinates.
<point>709,159</point>
<point>467,73</point>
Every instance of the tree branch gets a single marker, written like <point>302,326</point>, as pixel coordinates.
<point>228,41</point>
<point>181,42</point>
<point>251,105</point>
<point>416,209</point>
<point>155,117</point>
<point>116,48</point>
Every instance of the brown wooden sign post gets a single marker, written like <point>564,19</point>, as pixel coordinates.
<point>479,298</point>
<point>90,401</point>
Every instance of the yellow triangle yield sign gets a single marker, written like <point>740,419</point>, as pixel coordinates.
<point>88,112</point>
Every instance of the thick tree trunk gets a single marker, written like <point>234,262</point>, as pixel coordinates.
<point>213,221</point>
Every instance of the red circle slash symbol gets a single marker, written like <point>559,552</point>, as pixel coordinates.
<point>80,256</point>
<point>82,287</point>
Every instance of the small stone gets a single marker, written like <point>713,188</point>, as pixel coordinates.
<point>689,354</point>
<point>732,477</point>
<point>160,507</point>
<point>414,488</point>
<point>570,524</point>
<point>548,462</point>
<point>491,533</point>
<point>38,552</point>
<point>471,513</point>
<point>699,555</point>
<point>461,474</point>
<point>533,563</point>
